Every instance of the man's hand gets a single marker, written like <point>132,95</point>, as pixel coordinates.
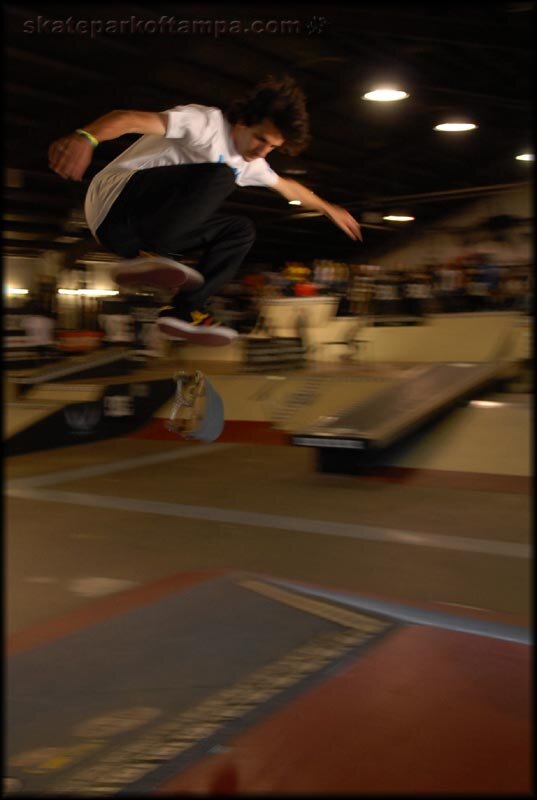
<point>344,220</point>
<point>70,156</point>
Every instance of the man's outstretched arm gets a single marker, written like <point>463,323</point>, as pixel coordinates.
<point>292,190</point>
<point>71,155</point>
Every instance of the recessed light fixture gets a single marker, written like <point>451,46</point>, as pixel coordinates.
<point>398,218</point>
<point>455,127</point>
<point>526,157</point>
<point>385,95</point>
<point>295,203</point>
<point>485,404</point>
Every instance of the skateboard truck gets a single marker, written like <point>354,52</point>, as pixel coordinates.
<point>197,410</point>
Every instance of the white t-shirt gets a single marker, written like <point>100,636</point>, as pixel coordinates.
<point>194,135</point>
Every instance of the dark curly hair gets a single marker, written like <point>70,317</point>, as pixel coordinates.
<point>281,101</point>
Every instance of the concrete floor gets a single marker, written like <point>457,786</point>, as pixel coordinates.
<point>50,544</point>
<point>125,514</point>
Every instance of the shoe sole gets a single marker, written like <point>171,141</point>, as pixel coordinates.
<point>158,271</point>
<point>211,337</point>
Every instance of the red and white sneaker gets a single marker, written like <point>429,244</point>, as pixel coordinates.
<point>198,327</point>
<point>159,271</point>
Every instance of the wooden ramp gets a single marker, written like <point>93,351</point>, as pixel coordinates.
<point>390,415</point>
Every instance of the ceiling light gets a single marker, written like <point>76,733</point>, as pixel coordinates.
<point>485,404</point>
<point>455,127</point>
<point>526,157</point>
<point>11,291</point>
<point>385,95</point>
<point>295,203</point>
<point>307,214</point>
<point>398,218</point>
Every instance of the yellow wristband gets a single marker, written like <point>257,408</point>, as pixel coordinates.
<point>89,136</point>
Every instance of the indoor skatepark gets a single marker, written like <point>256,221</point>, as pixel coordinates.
<point>178,611</point>
<point>332,595</point>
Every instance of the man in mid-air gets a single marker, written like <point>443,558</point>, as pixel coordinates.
<point>161,197</point>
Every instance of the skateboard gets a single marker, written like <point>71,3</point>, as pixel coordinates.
<point>197,408</point>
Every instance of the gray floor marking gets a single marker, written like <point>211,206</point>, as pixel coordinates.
<point>276,522</point>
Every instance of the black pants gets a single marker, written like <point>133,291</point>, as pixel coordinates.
<point>172,210</point>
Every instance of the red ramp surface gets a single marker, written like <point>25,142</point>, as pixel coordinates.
<point>424,711</point>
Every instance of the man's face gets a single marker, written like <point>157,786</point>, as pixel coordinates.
<point>256,141</point>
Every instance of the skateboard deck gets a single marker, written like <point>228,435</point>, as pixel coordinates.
<point>198,410</point>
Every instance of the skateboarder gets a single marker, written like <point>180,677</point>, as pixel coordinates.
<point>161,197</point>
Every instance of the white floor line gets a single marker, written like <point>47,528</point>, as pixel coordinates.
<point>276,522</point>
<point>115,466</point>
<point>97,586</point>
<point>418,616</point>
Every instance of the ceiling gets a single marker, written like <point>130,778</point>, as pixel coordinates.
<point>471,59</point>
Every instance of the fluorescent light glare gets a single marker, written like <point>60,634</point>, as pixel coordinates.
<point>88,292</point>
<point>455,127</point>
<point>98,292</point>
<point>11,291</point>
<point>385,95</point>
<point>295,203</point>
<point>526,157</point>
<point>398,218</point>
